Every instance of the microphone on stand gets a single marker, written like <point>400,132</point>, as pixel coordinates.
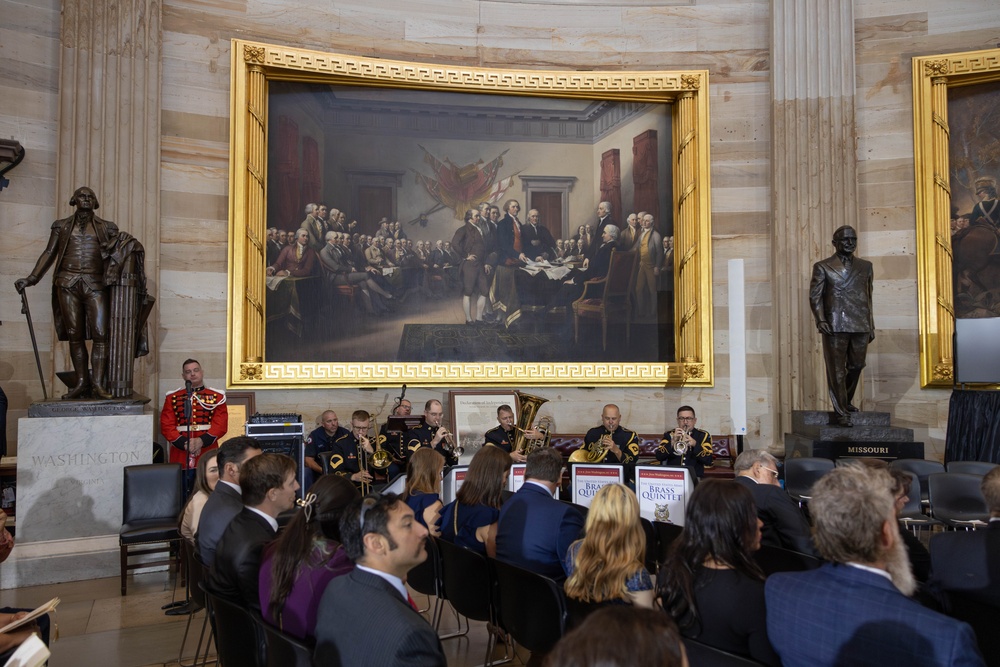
<point>187,386</point>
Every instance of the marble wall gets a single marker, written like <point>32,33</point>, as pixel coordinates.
<point>731,38</point>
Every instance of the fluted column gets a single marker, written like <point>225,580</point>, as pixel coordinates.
<point>944,309</point>
<point>814,173</point>
<point>686,255</point>
<point>109,127</point>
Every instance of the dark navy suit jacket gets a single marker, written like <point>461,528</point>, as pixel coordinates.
<point>535,531</point>
<point>363,621</point>
<point>221,507</point>
<point>784,524</point>
<point>842,615</point>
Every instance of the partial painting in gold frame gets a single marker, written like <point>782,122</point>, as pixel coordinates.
<point>685,94</point>
<point>935,79</point>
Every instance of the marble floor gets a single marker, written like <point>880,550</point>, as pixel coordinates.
<point>97,626</point>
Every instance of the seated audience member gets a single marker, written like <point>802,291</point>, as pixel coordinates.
<point>709,582</point>
<point>470,520</point>
<point>269,486</point>
<point>535,530</point>
<point>686,445</point>
<point>307,556</point>
<point>621,636</point>
<point>205,480</point>
<point>855,610</point>
<point>10,641</point>
<point>423,487</point>
<point>227,499</point>
<point>606,565</point>
<point>366,617</point>
<point>785,525</point>
<point>968,563</point>
<point>920,558</point>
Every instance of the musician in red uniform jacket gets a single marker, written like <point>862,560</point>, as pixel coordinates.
<point>209,418</point>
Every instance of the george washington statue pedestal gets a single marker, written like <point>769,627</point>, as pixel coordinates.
<point>69,489</point>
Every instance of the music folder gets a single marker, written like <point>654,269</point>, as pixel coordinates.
<point>402,424</point>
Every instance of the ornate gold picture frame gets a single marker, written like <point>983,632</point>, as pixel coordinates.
<point>256,66</point>
<point>935,79</point>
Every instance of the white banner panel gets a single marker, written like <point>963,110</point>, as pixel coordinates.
<point>587,480</point>
<point>662,493</point>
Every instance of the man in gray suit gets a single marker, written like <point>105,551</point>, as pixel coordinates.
<point>367,617</point>
<point>227,499</point>
<point>841,299</point>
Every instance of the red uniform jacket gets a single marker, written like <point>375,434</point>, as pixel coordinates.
<point>209,420</point>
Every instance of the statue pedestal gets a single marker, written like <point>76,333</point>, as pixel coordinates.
<point>816,433</point>
<point>134,405</point>
<point>69,495</point>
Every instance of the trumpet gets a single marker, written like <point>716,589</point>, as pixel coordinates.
<point>680,442</point>
<point>448,445</point>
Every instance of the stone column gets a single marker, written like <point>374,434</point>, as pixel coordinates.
<point>109,128</point>
<point>814,174</point>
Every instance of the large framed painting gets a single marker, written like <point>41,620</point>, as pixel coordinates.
<point>956,117</point>
<point>396,222</point>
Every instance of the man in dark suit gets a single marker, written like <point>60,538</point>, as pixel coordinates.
<point>537,240</point>
<point>367,617</point>
<point>227,499</point>
<point>474,272</point>
<point>968,563</point>
<point>269,486</point>
<point>856,609</point>
<point>840,296</point>
<point>603,220</point>
<point>535,530</point>
<point>784,524</point>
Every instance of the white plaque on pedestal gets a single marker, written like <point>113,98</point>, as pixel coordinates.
<point>69,495</point>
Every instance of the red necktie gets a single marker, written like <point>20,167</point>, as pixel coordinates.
<point>412,603</point>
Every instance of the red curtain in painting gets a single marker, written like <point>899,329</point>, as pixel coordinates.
<point>646,174</point>
<point>311,186</point>
<point>289,209</point>
<point>611,182</point>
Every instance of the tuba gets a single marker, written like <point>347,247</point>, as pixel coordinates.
<point>528,406</point>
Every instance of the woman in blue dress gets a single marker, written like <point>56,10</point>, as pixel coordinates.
<point>423,487</point>
<point>471,520</point>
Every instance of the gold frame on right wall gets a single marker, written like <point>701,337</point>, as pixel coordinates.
<point>933,76</point>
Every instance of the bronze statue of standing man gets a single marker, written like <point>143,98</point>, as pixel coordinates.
<point>841,299</point>
<point>79,246</point>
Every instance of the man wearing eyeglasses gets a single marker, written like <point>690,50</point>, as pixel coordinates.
<point>686,445</point>
<point>784,524</point>
<point>385,541</point>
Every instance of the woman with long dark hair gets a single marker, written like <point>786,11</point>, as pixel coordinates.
<point>423,487</point>
<point>307,555</point>
<point>606,565</point>
<point>709,581</point>
<point>470,521</point>
<point>205,479</point>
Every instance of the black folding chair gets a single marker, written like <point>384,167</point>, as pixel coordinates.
<point>775,559</point>
<point>284,650</point>
<point>957,500</point>
<point>239,639</point>
<point>467,578</point>
<point>801,474</point>
<point>532,607</point>
<point>151,504</point>
<point>922,468</point>
<point>970,467</point>
<point>196,602</point>
<point>703,655</point>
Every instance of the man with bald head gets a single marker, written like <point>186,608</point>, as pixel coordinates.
<point>321,440</point>
<point>619,444</point>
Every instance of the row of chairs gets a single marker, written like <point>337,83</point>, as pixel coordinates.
<point>940,495</point>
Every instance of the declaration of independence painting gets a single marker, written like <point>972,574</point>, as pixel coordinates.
<point>429,226</point>
<point>974,162</point>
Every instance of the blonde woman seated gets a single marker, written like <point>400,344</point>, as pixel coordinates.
<point>206,477</point>
<point>606,566</point>
<point>471,520</point>
<point>423,487</point>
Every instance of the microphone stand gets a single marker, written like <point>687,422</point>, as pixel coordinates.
<point>188,418</point>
